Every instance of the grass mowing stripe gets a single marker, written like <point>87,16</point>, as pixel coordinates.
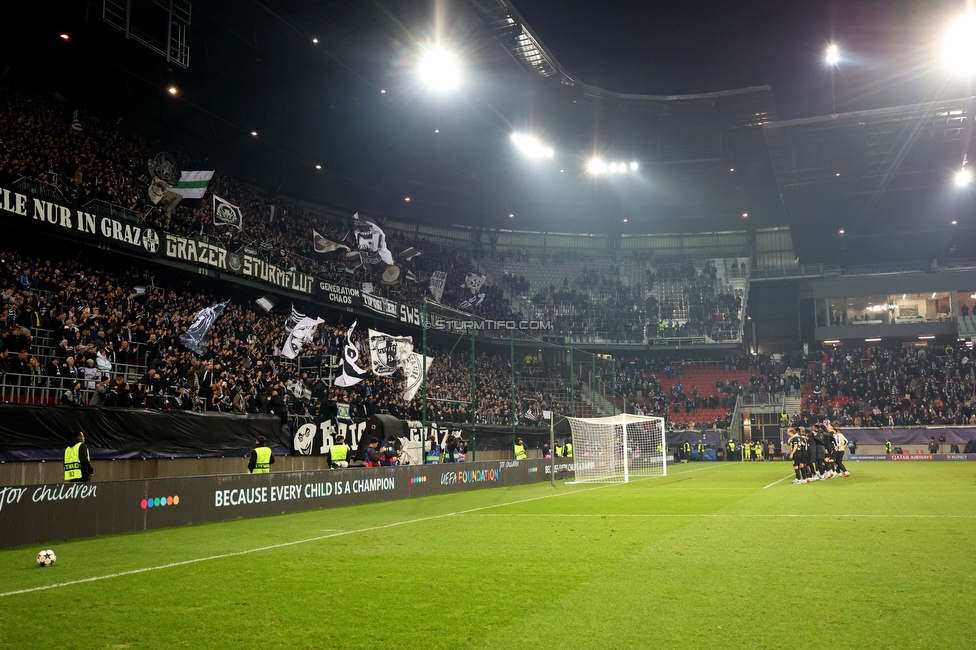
<point>779,481</point>
<point>271,547</point>
<point>317,538</point>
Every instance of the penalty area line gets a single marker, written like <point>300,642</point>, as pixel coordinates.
<point>271,547</point>
<point>779,481</point>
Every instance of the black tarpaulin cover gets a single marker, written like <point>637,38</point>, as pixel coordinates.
<point>162,432</point>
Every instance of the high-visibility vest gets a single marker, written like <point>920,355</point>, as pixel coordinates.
<point>262,464</point>
<point>338,453</point>
<point>72,463</point>
<point>701,448</point>
<point>568,450</point>
<point>433,455</point>
<point>746,451</point>
<point>558,450</point>
<point>519,452</point>
<point>888,446</point>
<point>731,445</point>
<point>686,447</point>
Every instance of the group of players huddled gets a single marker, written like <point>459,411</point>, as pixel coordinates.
<point>817,453</point>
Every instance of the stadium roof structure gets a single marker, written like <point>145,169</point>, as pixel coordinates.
<point>884,177</point>
<point>319,100</point>
<point>253,67</point>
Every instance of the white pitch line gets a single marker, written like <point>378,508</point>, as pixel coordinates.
<point>779,481</point>
<point>318,538</point>
<point>712,515</point>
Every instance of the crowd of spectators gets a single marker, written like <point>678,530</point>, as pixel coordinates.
<point>113,338</point>
<point>881,387</point>
<point>90,160</point>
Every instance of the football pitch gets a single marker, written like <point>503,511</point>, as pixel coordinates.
<point>715,555</point>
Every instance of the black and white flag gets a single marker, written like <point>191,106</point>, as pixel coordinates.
<point>352,374</point>
<point>387,352</point>
<point>413,367</point>
<point>474,282</point>
<point>437,281</point>
<point>371,241</point>
<point>324,245</point>
<point>226,214</point>
<point>472,302</point>
<point>300,334</point>
<point>409,254</point>
<point>195,337</point>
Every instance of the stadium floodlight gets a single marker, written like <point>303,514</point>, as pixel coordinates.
<point>634,166</point>
<point>963,177</point>
<point>315,40</point>
<point>171,90</point>
<point>959,51</point>
<point>596,166</point>
<point>832,56</point>
<point>65,36</point>
<point>531,147</point>
<point>439,69</point>
<point>612,449</point>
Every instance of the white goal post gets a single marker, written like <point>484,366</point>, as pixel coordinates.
<point>613,449</point>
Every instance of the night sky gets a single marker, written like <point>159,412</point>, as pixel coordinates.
<point>891,47</point>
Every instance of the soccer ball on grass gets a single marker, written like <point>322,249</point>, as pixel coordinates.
<point>46,558</point>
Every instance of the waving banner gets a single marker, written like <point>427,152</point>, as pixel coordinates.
<point>195,337</point>
<point>437,281</point>
<point>352,374</point>
<point>371,241</point>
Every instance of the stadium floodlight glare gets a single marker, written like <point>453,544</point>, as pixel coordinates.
<point>959,51</point>
<point>171,90</point>
<point>315,40</point>
<point>963,177</point>
<point>318,167</point>
<point>531,146</point>
<point>439,69</point>
<point>65,36</point>
<point>832,57</point>
<point>596,166</point>
<point>254,133</point>
<point>634,166</point>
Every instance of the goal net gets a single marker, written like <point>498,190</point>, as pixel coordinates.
<point>614,449</point>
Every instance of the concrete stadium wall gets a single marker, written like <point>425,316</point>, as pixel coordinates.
<point>41,514</point>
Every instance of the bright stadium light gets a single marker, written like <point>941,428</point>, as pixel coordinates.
<point>596,166</point>
<point>959,51</point>
<point>963,177</point>
<point>531,146</point>
<point>439,69</point>
<point>634,166</point>
<point>832,57</point>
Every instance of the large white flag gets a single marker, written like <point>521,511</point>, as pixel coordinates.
<point>371,241</point>
<point>437,281</point>
<point>301,334</point>
<point>352,374</point>
<point>193,185</point>
<point>413,374</point>
<point>387,352</point>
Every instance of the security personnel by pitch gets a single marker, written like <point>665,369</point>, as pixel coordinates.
<point>77,461</point>
<point>520,450</point>
<point>568,449</point>
<point>338,454</point>
<point>261,458</point>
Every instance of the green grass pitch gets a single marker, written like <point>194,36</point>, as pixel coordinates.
<point>713,556</point>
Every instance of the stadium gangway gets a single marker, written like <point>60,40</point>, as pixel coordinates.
<point>37,389</point>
